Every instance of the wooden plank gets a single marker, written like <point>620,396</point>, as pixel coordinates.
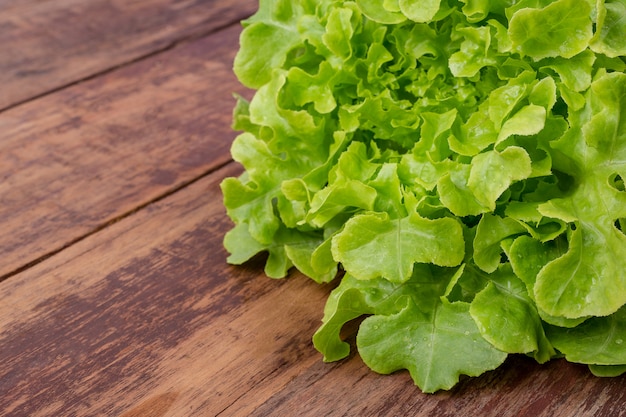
<point>520,387</point>
<point>75,160</point>
<point>45,45</point>
<point>147,313</point>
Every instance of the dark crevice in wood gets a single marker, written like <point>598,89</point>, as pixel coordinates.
<point>114,220</point>
<point>172,45</point>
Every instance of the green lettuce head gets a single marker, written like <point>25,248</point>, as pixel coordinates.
<point>460,163</point>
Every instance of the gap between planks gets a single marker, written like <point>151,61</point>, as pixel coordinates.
<point>178,43</point>
<point>114,220</point>
<point>149,310</point>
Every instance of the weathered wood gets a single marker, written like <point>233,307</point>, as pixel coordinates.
<point>146,315</point>
<point>75,160</point>
<point>147,312</point>
<point>520,387</point>
<point>48,44</point>
<point>111,185</point>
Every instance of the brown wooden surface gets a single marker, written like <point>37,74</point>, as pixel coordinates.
<point>48,44</point>
<point>72,161</point>
<point>116,297</point>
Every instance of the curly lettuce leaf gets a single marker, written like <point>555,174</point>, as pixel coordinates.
<point>373,245</point>
<point>588,280</point>
<point>611,31</point>
<point>527,257</point>
<point>507,317</point>
<point>597,341</point>
<point>355,297</point>
<point>437,341</point>
<point>607,370</point>
<point>435,347</point>
<point>562,28</point>
<point>490,233</point>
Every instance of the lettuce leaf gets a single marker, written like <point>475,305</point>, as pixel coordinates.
<point>456,167</point>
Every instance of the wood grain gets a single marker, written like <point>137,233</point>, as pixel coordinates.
<point>73,161</point>
<point>116,296</point>
<point>147,312</point>
<point>518,388</point>
<point>45,45</point>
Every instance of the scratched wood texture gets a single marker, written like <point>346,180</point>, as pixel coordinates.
<point>45,44</point>
<point>116,296</point>
<point>72,161</point>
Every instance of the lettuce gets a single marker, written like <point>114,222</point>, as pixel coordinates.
<point>456,167</point>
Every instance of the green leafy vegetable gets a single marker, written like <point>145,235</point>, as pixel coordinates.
<point>456,166</point>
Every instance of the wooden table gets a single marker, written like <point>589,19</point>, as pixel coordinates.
<point>116,296</point>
